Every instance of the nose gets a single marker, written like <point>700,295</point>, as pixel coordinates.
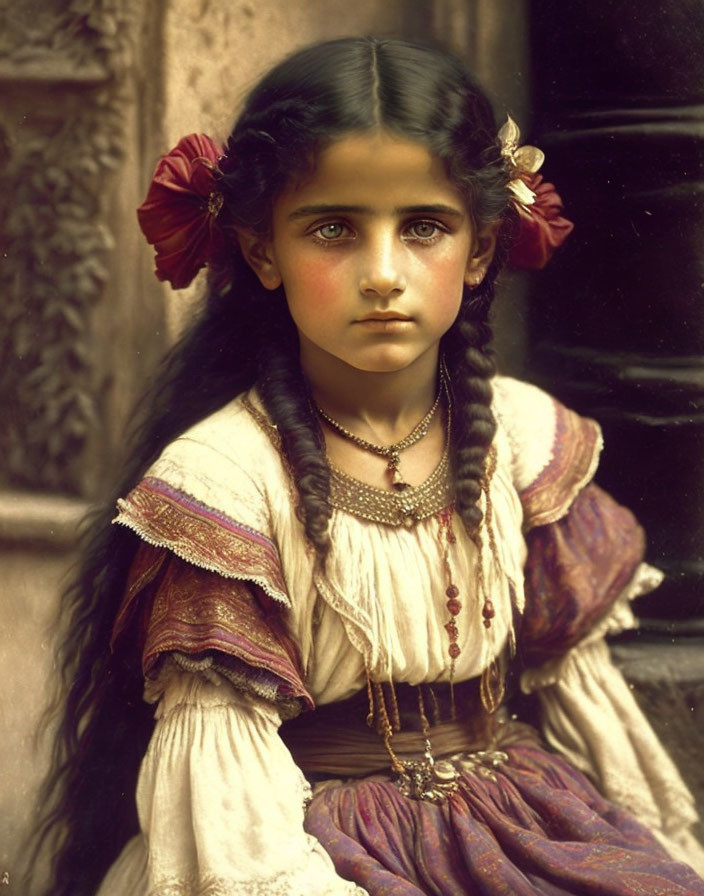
<point>382,274</point>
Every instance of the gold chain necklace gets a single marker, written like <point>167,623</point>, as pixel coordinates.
<point>391,452</point>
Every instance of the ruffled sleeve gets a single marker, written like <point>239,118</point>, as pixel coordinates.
<point>171,605</point>
<point>208,576</point>
<point>577,569</point>
<point>584,566</point>
<point>220,802</point>
<point>584,551</point>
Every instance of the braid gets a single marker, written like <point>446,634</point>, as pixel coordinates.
<point>286,396</point>
<point>471,366</point>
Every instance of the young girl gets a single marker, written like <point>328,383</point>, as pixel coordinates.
<point>345,545</point>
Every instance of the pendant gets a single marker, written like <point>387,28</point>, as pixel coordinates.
<point>492,687</point>
<point>397,481</point>
<point>396,478</point>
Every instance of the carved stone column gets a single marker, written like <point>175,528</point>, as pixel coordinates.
<point>79,326</point>
<point>70,303</point>
<point>617,325</point>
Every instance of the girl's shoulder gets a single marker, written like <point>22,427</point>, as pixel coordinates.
<point>238,436</point>
<point>238,428</point>
<point>212,496</point>
<point>554,451</point>
<point>226,465</point>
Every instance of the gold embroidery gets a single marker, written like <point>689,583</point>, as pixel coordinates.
<point>575,455</point>
<point>161,521</point>
<point>194,602</point>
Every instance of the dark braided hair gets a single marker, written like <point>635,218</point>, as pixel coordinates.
<point>302,105</point>
<point>243,336</point>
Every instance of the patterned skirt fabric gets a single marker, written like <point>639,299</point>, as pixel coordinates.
<point>535,826</point>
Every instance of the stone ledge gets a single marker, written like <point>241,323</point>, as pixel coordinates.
<point>52,69</point>
<point>49,521</point>
<point>648,659</point>
<point>667,679</point>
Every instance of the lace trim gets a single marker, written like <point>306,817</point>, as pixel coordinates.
<point>284,884</point>
<point>210,670</point>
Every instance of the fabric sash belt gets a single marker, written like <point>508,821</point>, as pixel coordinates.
<point>335,741</point>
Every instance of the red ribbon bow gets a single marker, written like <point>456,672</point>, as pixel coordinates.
<point>179,215</point>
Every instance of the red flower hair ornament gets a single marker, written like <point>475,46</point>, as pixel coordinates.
<point>542,229</point>
<point>179,215</point>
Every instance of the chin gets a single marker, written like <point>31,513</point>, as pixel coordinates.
<point>390,362</point>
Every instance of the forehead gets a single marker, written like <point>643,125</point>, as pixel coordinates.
<point>375,169</point>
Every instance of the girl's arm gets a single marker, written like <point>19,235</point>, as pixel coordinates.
<point>584,566</point>
<point>220,800</point>
<point>582,572</point>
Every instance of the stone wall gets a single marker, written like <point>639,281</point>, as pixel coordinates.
<point>75,334</point>
<point>94,91</point>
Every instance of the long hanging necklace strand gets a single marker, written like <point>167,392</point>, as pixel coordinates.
<point>390,452</point>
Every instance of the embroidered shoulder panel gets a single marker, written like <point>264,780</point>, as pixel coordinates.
<point>167,517</point>
<point>195,612</point>
<point>575,455</point>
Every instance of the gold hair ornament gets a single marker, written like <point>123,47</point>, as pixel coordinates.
<point>520,160</point>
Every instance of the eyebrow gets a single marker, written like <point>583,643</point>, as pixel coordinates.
<point>306,211</point>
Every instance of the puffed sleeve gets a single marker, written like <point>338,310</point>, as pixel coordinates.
<point>208,576</point>
<point>220,802</point>
<point>584,566</point>
<point>219,798</point>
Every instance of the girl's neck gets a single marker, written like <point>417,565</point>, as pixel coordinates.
<point>383,407</point>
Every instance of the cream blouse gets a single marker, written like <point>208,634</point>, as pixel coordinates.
<point>220,800</point>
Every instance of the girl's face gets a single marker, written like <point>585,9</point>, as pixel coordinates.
<point>373,251</point>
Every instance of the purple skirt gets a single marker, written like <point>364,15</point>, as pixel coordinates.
<point>536,827</point>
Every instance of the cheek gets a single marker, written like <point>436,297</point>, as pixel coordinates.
<point>446,310</point>
<point>311,285</point>
<point>444,276</point>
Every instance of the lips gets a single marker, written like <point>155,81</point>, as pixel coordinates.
<point>383,316</point>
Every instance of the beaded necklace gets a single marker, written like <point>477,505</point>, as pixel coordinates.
<point>391,452</point>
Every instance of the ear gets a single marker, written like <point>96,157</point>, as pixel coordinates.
<point>480,257</point>
<point>258,253</point>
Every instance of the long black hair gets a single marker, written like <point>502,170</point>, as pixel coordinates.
<point>244,336</point>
